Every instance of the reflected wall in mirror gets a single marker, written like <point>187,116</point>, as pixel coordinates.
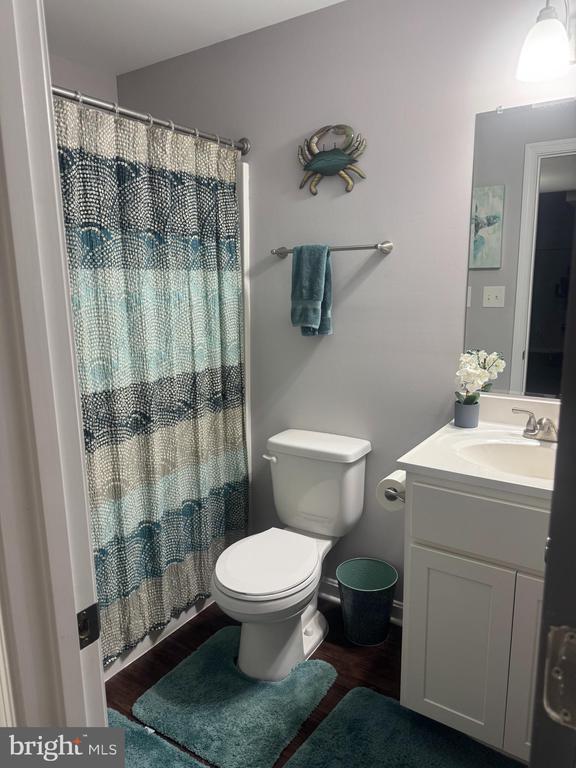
<point>522,242</point>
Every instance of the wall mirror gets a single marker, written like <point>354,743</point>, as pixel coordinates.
<point>522,242</point>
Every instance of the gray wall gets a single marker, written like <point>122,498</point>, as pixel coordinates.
<point>411,77</point>
<point>499,159</point>
<point>77,77</point>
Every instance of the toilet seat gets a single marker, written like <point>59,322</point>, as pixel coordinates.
<point>267,566</point>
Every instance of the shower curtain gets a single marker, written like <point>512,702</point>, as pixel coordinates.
<point>152,223</point>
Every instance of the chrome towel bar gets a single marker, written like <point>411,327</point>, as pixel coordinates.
<point>384,247</point>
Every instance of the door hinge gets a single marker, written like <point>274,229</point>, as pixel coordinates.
<point>560,676</point>
<point>88,625</point>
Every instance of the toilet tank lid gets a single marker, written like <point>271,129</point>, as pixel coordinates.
<point>319,445</point>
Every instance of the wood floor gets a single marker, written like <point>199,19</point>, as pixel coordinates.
<point>377,668</point>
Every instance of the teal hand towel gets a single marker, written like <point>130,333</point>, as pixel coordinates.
<point>312,290</point>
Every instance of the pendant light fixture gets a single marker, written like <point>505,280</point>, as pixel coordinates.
<point>545,54</point>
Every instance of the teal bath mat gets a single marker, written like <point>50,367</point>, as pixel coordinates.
<point>146,750</point>
<point>367,729</point>
<point>218,713</point>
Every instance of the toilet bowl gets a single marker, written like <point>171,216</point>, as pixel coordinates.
<point>269,581</point>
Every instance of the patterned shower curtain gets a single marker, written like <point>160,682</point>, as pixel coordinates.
<point>156,286</point>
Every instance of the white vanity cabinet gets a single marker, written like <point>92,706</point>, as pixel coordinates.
<point>474,565</point>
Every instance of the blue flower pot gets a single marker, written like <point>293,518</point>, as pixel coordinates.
<point>466,416</point>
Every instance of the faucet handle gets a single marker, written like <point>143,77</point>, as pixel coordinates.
<point>531,427</point>
<point>547,430</point>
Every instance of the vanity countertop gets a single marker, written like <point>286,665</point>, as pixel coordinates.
<point>492,455</point>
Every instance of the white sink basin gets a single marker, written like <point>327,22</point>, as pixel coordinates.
<point>529,458</point>
<point>494,455</point>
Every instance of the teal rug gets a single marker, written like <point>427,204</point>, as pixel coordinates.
<point>146,750</point>
<point>221,715</point>
<point>368,730</point>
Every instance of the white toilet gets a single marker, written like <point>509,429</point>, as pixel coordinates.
<point>269,582</point>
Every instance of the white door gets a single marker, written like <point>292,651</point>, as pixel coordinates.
<point>458,644</point>
<point>523,665</point>
<point>44,529</point>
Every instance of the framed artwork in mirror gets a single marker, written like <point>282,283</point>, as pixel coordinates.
<point>486,227</point>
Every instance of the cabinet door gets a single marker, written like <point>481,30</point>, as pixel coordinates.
<point>523,665</point>
<point>455,665</point>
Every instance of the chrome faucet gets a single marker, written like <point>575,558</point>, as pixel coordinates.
<point>544,429</point>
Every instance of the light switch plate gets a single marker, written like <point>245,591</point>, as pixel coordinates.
<point>493,296</point>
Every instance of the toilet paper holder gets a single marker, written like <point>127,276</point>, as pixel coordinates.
<point>391,491</point>
<point>393,495</point>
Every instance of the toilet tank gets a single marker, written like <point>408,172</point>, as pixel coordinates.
<point>318,480</point>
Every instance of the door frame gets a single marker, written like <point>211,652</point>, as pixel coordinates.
<point>47,573</point>
<point>533,155</point>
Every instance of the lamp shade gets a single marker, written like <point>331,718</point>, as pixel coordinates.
<point>545,54</point>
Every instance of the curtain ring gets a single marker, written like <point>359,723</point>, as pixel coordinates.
<point>217,140</point>
<point>150,119</point>
<point>116,110</point>
<point>79,97</point>
<point>196,132</point>
<point>172,127</point>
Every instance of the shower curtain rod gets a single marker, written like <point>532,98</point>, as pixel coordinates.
<point>242,144</point>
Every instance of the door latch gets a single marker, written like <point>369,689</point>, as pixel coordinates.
<point>560,676</point>
<point>88,625</point>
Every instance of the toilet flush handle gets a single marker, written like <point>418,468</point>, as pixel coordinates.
<point>273,459</point>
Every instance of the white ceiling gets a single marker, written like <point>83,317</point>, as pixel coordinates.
<point>558,174</point>
<point>117,36</point>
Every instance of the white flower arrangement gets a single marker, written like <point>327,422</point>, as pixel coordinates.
<point>476,373</point>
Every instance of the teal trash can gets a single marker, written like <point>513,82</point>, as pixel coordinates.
<point>367,587</point>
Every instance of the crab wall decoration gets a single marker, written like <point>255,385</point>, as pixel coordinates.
<point>340,161</point>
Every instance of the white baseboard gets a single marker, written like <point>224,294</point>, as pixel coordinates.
<point>150,641</point>
<point>329,591</point>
